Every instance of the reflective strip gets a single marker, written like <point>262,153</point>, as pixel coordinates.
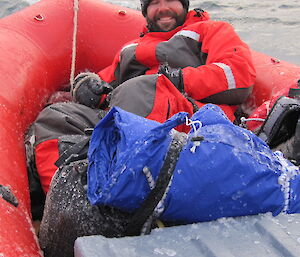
<point>130,45</point>
<point>228,73</point>
<point>189,34</point>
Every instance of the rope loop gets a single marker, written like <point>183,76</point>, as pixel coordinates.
<point>192,124</point>
<point>196,126</point>
<point>245,120</point>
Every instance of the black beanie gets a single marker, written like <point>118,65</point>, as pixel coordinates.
<point>145,3</point>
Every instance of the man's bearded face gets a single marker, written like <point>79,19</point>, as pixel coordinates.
<point>163,16</point>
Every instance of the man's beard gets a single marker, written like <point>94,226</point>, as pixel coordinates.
<point>153,27</point>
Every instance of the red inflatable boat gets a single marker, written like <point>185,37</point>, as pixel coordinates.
<point>36,52</point>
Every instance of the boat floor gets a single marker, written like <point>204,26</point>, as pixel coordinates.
<point>259,235</point>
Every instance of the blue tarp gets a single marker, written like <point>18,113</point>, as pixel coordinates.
<point>231,173</point>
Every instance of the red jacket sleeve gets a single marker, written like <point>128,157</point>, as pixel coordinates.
<point>229,73</point>
<point>108,73</point>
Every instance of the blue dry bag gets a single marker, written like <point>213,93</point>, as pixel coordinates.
<point>222,170</point>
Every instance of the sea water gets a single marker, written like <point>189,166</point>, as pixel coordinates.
<point>268,26</point>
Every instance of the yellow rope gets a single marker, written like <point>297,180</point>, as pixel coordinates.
<point>160,224</point>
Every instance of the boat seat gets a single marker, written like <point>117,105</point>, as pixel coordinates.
<point>259,235</point>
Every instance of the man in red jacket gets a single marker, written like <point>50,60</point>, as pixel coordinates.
<point>182,61</point>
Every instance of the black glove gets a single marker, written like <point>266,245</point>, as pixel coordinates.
<point>173,74</point>
<point>88,89</point>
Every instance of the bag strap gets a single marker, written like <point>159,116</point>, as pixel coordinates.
<point>280,114</point>
<point>193,102</point>
<point>74,153</point>
<point>142,214</point>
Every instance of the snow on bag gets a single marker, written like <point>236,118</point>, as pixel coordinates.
<point>222,170</point>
